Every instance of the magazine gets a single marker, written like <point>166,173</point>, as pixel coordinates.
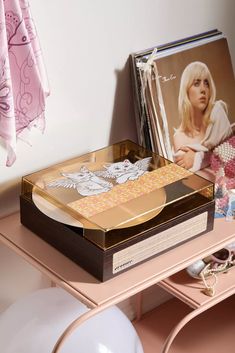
<point>184,99</point>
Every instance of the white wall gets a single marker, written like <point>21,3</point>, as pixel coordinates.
<point>86,45</point>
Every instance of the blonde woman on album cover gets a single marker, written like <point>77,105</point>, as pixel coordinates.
<point>204,120</point>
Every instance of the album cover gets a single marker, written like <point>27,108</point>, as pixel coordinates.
<point>184,99</point>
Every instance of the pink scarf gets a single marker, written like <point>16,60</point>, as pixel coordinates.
<point>23,82</point>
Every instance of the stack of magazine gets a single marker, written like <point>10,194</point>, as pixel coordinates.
<point>177,87</point>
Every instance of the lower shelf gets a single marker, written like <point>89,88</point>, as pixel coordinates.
<point>212,331</point>
<point>190,290</point>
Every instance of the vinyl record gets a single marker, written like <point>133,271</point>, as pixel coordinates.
<point>157,199</point>
<point>54,212</point>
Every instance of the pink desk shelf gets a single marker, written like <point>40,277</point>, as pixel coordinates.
<point>164,270</point>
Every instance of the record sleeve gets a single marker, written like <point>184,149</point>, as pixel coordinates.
<point>164,78</point>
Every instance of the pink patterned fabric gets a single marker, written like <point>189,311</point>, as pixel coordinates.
<point>223,157</point>
<point>23,82</point>
<point>223,164</point>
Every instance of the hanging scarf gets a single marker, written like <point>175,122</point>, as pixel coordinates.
<point>23,82</point>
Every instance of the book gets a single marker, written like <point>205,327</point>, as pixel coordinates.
<point>159,78</point>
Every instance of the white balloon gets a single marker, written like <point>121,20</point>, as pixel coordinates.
<point>33,325</point>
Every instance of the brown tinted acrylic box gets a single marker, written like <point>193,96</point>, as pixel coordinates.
<point>114,208</point>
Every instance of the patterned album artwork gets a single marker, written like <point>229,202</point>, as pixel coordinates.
<point>88,182</point>
<point>117,184</point>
